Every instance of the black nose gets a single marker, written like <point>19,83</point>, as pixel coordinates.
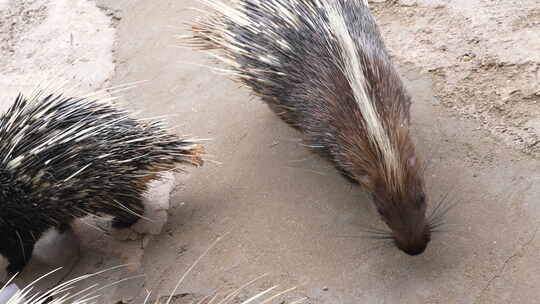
<point>413,250</point>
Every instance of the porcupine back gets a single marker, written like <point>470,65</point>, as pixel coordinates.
<point>64,157</point>
<point>323,67</point>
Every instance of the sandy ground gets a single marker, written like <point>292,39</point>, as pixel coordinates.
<point>473,70</point>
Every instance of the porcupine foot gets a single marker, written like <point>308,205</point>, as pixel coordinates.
<point>124,221</point>
<point>128,214</point>
<point>63,227</point>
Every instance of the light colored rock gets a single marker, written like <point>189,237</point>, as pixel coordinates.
<point>157,204</point>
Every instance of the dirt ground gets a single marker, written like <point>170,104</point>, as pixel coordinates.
<point>473,68</point>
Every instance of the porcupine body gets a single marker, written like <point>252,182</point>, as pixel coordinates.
<point>63,158</point>
<point>322,66</point>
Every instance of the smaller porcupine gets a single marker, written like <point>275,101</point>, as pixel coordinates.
<point>323,67</point>
<point>63,157</point>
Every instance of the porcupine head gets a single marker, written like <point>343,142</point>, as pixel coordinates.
<point>379,154</point>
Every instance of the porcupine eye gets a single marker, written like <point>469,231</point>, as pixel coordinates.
<point>421,199</point>
<point>381,212</point>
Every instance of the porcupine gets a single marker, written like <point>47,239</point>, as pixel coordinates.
<point>322,66</point>
<point>63,158</point>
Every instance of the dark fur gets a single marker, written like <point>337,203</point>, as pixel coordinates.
<point>38,193</point>
<point>309,90</point>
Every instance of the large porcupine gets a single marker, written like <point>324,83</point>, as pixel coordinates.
<point>63,158</point>
<point>322,66</point>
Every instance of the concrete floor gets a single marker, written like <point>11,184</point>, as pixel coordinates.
<point>289,213</point>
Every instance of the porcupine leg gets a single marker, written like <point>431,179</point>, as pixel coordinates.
<point>125,220</point>
<point>17,261</point>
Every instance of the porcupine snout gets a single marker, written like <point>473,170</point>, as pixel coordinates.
<point>414,247</point>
